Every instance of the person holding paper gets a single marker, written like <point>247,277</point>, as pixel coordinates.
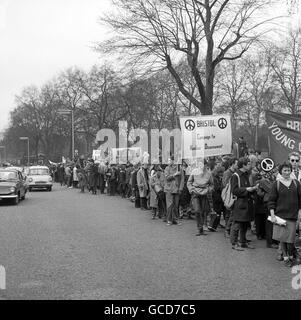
<point>285,202</point>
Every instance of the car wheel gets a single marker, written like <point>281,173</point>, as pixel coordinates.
<point>50,188</point>
<point>16,200</point>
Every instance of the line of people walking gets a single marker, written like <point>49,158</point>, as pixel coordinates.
<point>173,192</point>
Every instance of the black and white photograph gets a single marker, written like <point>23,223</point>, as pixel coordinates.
<point>150,152</point>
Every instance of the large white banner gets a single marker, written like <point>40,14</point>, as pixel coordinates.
<point>206,136</point>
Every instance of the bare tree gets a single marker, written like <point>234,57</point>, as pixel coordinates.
<point>260,89</point>
<point>286,65</point>
<point>27,115</point>
<point>232,90</point>
<point>158,33</point>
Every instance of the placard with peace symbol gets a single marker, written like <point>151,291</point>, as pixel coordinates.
<point>206,135</point>
<point>267,164</point>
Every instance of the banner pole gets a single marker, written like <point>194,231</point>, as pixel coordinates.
<point>269,146</point>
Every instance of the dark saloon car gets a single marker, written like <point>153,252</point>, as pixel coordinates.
<point>12,185</point>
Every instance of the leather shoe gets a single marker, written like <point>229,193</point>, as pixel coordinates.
<point>211,229</point>
<point>247,246</point>
<point>237,247</point>
<point>201,233</point>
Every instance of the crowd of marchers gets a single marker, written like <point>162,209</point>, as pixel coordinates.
<point>174,192</point>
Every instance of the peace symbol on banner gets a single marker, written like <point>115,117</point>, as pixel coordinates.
<point>267,164</point>
<point>189,125</point>
<point>222,123</point>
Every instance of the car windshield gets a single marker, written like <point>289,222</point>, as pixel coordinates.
<point>8,175</point>
<point>38,172</point>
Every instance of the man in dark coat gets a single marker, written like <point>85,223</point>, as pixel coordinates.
<point>113,179</point>
<point>102,181</point>
<point>61,174</point>
<point>92,174</point>
<point>122,181</point>
<point>128,172</point>
<point>135,189</point>
<point>218,204</point>
<point>243,212</point>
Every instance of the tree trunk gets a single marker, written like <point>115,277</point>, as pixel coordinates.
<point>209,78</point>
<point>256,135</point>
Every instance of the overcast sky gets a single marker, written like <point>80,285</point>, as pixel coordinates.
<point>40,38</point>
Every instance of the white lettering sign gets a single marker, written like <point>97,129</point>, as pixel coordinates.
<point>206,136</point>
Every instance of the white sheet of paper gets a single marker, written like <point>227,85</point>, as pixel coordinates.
<point>279,220</point>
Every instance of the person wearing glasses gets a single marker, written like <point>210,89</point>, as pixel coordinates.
<point>294,159</point>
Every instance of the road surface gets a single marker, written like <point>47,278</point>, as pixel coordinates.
<point>67,245</point>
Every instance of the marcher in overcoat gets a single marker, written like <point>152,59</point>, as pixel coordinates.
<point>218,204</point>
<point>135,190</point>
<point>243,211</point>
<point>157,196</point>
<point>172,188</point>
<point>143,186</point>
<point>92,175</point>
<point>153,203</point>
<point>82,179</point>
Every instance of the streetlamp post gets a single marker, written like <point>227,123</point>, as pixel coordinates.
<point>26,138</point>
<point>71,112</point>
<point>4,148</point>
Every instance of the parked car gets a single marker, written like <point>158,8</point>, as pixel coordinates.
<point>38,177</point>
<point>24,174</point>
<point>12,185</point>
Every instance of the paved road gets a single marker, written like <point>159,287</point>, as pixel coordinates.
<point>67,245</point>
